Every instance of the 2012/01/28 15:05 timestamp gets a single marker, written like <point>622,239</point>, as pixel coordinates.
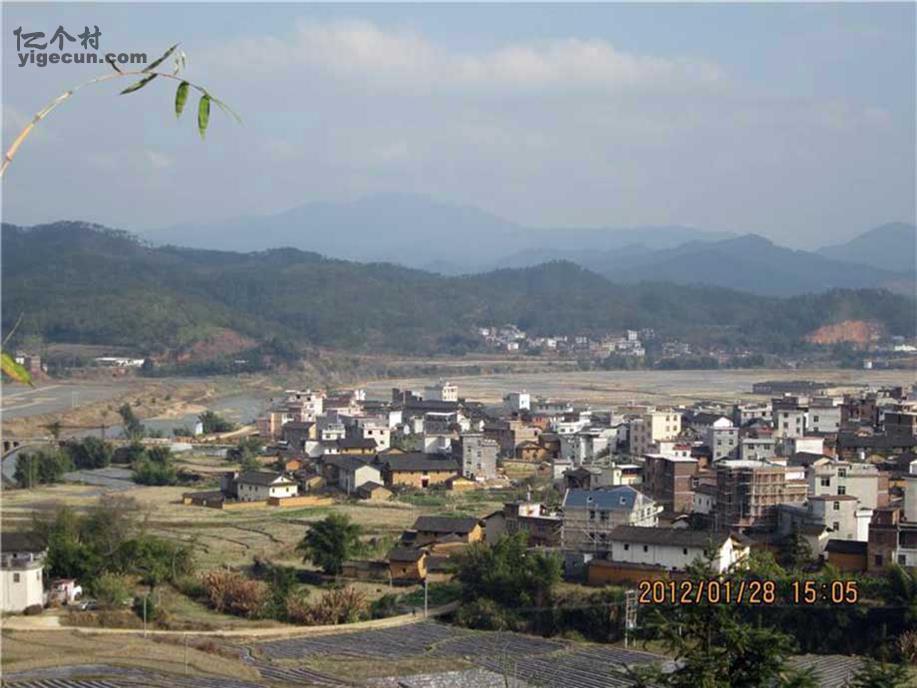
<point>751,592</point>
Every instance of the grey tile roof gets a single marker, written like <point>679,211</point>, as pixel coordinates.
<point>617,498</point>
<point>677,537</point>
<point>445,524</point>
<point>262,478</point>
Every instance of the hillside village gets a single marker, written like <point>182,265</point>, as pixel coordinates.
<point>638,491</point>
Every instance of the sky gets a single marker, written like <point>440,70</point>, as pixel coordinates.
<point>793,121</point>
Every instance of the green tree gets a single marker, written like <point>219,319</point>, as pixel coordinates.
<point>874,674</point>
<point>41,467</point>
<point>90,452</point>
<point>509,574</point>
<point>714,648</point>
<point>133,428</point>
<point>110,589</point>
<point>330,542</point>
<point>795,551</point>
<point>214,422</point>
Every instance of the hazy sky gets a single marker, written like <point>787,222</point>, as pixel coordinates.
<point>794,121</point>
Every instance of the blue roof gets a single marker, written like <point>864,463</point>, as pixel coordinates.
<point>612,498</point>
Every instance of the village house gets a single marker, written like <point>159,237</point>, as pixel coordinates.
<point>789,417</point>
<point>374,491</point>
<point>22,560</point>
<point>650,428</point>
<point>636,553</point>
<point>479,457</point>
<point>590,515</point>
<point>543,529</point>
<point>668,480</point>
<point>349,472</point>
<point>861,480</point>
<point>416,469</point>
<point>259,486</point>
<point>748,493</point>
<point>840,515</point>
<point>429,529</point>
<point>407,564</point>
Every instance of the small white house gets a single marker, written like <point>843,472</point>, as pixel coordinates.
<point>22,563</point>
<point>259,486</point>
<point>674,548</point>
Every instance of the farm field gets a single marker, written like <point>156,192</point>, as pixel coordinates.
<point>641,386</point>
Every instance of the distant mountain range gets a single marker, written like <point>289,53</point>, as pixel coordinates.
<point>75,282</point>
<point>419,232</point>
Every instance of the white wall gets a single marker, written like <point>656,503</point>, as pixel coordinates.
<point>20,588</point>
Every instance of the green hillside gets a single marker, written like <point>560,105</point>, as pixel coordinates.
<point>83,283</point>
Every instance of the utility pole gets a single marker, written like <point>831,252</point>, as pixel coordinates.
<point>425,598</point>
<point>144,616</point>
<point>630,614</point>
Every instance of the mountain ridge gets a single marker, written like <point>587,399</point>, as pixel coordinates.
<point>76,282</point>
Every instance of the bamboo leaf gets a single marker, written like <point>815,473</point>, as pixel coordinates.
<point>203,114</point>
<point>140,84</point>
<point>110,60</point>
<point>153,65</point>
<point>181,97</point>
<point>14,370</point>
<point>228,110</point>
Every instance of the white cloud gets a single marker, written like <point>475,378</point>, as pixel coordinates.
<point>387,59</point>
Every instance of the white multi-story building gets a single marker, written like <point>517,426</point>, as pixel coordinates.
<point>22,562</point>
<point>517,401</point>
<point>860,480</point>
<point>651,428</point>
<point>441,391</point>
<point>590,515</point>
<point>479,456</point>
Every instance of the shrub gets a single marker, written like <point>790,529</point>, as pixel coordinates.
<point>232,593</point>
<point>486,615</point>
<point>111,590</point>
<point>337,606</point>
<point>33,610</point>
<point>907,647</point>
<point>385,606</point>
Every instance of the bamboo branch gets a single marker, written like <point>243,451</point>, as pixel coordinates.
<point>44,112</point>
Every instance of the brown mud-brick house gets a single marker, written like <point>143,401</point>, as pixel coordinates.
<point>416,469</point>
<point>431,529</point>
<point>407,564</point>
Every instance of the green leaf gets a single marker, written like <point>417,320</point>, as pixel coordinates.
<point>181,96</point>
<point>203,114</point>
<point>14,370</point>
<point>153,65</point>
<point>228,110</point>
<point>140,84</point>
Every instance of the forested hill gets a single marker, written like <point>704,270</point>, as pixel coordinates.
<point>83,283</point>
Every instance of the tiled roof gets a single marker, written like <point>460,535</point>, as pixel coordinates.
<point>621,497</point>
<point>445,524</point>
<point>263,478</point>
<point>677,537</point>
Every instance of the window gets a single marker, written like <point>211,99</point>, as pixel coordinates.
<point>684,550</point>
<point>902,559</point>
<point>626,547</point>
<point>646,548</point>
<point>841,490</point>
<point>15,577</point>
<point>826,482</point>
<point>837,506</point>
<point>835,526</point>
<point>591,515</point>
<point>842,473</point>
